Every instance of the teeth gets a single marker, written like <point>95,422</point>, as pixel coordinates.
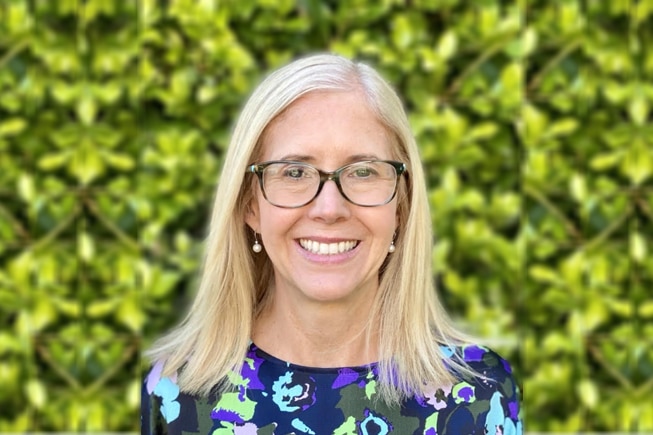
<point>327,248</point>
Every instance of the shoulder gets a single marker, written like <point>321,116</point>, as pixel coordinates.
<point>482,359</point>
<point>159,385</point>
<point>491,386</point>
<point>162,390</point>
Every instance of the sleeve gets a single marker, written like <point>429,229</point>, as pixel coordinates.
<point>502,396</point>
<point>152,422</point>
<point>487,403</point>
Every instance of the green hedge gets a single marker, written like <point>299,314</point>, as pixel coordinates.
<point>534,122</point>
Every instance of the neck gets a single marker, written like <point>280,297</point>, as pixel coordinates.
<point>318,334</point>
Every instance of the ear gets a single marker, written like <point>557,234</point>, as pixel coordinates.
<point>252,215</point>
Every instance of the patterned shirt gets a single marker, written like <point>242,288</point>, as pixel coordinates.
<point>275,397</point>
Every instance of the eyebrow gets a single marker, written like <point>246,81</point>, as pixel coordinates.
<point>309,159</point>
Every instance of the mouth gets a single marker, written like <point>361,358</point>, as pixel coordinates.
<point>319,248</point>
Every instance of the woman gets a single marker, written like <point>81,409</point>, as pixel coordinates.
<point>316,311</point>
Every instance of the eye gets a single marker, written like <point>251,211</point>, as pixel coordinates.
<point>294,172</point>
<point>363,171</point>
<point>297,172</point>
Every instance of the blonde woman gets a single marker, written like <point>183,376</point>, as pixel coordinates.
<point>316,312</point>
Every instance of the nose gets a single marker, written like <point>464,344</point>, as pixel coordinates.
<point>329,205</point>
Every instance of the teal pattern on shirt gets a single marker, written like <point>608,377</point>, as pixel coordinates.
<point>275,397</point>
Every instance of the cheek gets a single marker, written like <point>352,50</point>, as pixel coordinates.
<point>392,214</point>
<point>382,225</point>
<point>275,222</point>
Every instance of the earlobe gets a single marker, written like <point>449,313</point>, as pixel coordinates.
<point>253,222</point>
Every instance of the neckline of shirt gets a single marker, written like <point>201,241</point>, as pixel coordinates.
<point>260,353</point>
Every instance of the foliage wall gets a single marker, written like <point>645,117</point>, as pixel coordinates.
<point>534,122</point>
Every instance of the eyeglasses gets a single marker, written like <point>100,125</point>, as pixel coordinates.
<point>290,184</point>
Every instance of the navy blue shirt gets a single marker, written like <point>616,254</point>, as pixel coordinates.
<point>275,397</point>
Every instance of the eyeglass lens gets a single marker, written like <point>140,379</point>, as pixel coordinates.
<point>294,184</point>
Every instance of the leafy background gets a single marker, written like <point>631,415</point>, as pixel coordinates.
<point>534,122</point>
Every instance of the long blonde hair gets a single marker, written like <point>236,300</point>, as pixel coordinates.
<point>214,337</point>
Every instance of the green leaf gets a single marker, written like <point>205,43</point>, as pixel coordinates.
<point>512,83</point>
<point>36,393</point>
<point>102,307</point>
<point>130,314</point>
<point>8,344</point>
<point>86,165</point>
<point>578,187</point>
<point>12,127</point>
<point>26,188</point>
<point>638,109</point>
<point>524,45</point>
<point>87,109</point>
<point>455,126</point>
<point>402,34</point>
<point>555,343</point>
<point>594,314</point>
<point>638,248</point>
<point>85,247</point>
<point>450,180</point>
<point>19,270</point>
<point>622,308</point>
<point>482,131</point>
<point>43,314</point>
<point>70,308</point>
<point>534,124</point>
<point>133,394</point>
<point>182,242</point>
<point>572,270</point>
<point>562,127</point>
<point>207,93</point>
<point>604,161</point>
<point>120,161</point>
<point>615,91</point>
<point>544,274</point>
<point>588,393</point>
<point>645,309</point>
<point>447,45</point>
<point>638,162</point>
<point>51,161</point>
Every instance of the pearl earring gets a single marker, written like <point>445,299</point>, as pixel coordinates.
<point>256,247</point>
<point>392,247</point>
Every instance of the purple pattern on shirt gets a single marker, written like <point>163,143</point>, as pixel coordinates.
<point>466,393</point>
<point>513,407</point>
<point>346,376</point>
<point>506,366</point>
<point>252,373</point>
<point>226,415</point>
<point>474,353</point>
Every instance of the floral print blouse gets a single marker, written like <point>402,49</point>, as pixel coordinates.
<point>275,397</point>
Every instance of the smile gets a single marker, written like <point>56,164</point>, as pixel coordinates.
<point>327,248</point>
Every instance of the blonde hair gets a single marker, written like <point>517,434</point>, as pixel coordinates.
<point>214,337</point>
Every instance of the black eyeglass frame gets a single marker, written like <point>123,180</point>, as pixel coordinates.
<point>259,168</point>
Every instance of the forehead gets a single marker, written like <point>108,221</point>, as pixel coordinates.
<point>327,127</point>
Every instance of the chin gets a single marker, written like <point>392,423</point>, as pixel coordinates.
<point>333,293</point>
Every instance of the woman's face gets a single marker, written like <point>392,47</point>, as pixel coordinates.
<point>327,130</point>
